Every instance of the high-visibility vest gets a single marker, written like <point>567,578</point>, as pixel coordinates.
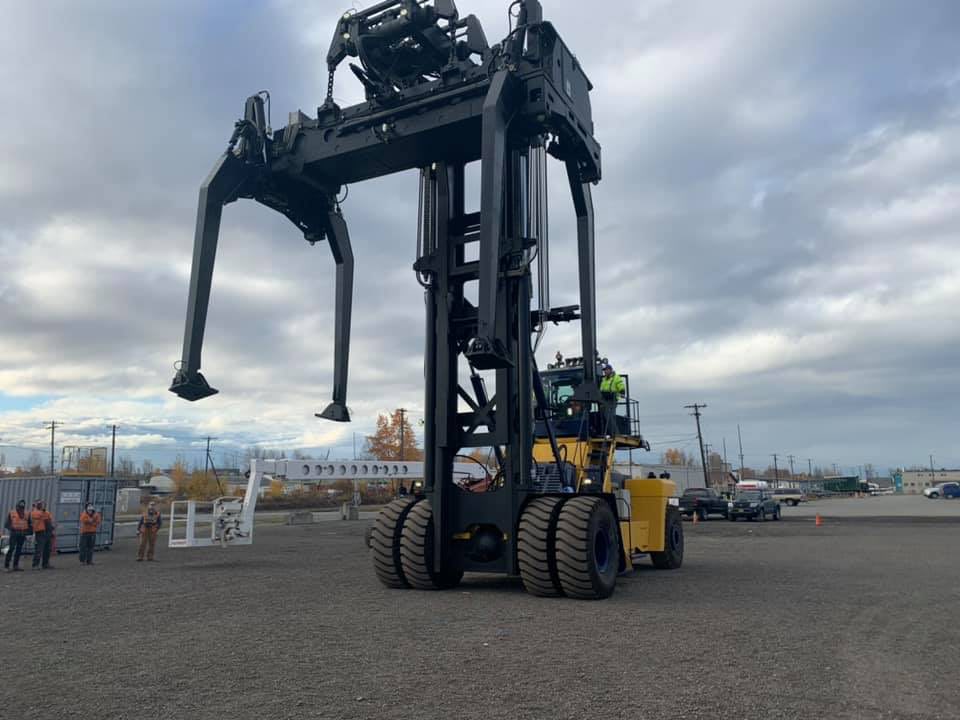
<point>40,520</point>
<point>613,384</point>
<point>19,523</point>
<point>89,523</point>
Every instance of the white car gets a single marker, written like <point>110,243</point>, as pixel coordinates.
<point>943,490</point>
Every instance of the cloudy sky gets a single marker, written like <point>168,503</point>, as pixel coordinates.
<point>777,227</point>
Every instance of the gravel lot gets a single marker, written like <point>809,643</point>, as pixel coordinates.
<point>774,620</point>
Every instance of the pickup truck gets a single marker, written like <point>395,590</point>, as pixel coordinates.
<point>789,496</point>
<point>702,502</point>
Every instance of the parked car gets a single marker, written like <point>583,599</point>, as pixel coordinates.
<point>755,505</point>
<point>703,502</point>
<point>943,490</point>
<point>789,496</point>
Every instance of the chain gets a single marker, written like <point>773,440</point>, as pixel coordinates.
<point>330,86</point>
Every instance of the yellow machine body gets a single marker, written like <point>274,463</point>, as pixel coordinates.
<point>641,504</point>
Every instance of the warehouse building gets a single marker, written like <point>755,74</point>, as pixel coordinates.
<point>914,481</point>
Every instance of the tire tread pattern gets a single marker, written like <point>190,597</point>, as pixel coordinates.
<point>385,542</point>
<point>416,552</point>
<point>574,549</point>
<point>536,539</point>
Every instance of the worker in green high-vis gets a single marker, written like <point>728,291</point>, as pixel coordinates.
<point>612,388</point>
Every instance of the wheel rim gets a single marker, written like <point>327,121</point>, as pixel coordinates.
<point>601,549</point>
<point>674,537</point>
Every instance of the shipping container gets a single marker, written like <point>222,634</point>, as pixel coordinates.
<point>66,498</point>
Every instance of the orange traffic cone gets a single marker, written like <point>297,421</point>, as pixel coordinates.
<point>819,521</point>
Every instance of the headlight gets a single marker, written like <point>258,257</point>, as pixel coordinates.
<point>673,501</point>
<point>730,505</point>
<point>754,504</point>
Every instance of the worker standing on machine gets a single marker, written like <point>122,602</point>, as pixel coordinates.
<point>612,388</point>
<point>148,529</point>
<point>90,521</point>
<point>18,526</point>
<point>41,521</point>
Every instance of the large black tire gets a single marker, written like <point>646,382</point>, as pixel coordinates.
<point>588,548</point>
<point>416,552</point>
<point>536,547</point>
<point>672,556</point>
<point>385,542</point>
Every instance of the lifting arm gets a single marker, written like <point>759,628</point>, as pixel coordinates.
<point>244,172</point>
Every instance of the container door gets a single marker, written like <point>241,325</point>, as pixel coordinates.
<point>102,492</point>
<point>70,498</point>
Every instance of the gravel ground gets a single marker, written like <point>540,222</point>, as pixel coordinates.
<point>779,620</point>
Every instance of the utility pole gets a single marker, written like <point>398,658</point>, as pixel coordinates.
<point>706,450</point>
<point>53,431</point>
<point>206,460</point>
<point>724,454</point>
<point>403,412</point>
<point>776,472</point>
<point>933,476</point>
<point>696,407</point>
<point>809,468</point>
<point>790,457</point>
<point>113,450</point>
<point>354,446</point>
<point>740,440</point>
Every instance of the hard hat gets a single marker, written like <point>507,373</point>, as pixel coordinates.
<point>608,366</point>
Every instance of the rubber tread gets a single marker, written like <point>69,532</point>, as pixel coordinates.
<point>416,552</point>
<point>536,538</point>
<point>385,542</point>
<point>576,565</point>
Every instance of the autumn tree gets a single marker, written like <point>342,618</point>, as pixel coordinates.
<point>180,477</point>
<point>674,456</point>
<point>202,486</point>
<point>392,430</point>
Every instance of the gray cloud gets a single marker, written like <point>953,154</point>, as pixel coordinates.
<point>776,224</point>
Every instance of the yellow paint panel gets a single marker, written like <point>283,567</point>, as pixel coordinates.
<point>648,502</point>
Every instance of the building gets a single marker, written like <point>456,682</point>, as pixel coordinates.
<point>914,481</point>
<point>159,485</point>
<point>684,476</point>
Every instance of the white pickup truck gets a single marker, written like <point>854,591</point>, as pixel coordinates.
<point>789,496</point>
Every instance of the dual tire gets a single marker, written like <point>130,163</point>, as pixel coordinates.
<point>569,546</point>
<point>401,545</point>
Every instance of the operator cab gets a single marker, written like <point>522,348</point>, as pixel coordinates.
<point>572,419</point>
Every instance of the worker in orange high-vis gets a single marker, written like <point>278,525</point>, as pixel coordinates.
<point>17,526</point>
<point>90,521</point>
<point>41,521</point>
<point>148,529</point>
